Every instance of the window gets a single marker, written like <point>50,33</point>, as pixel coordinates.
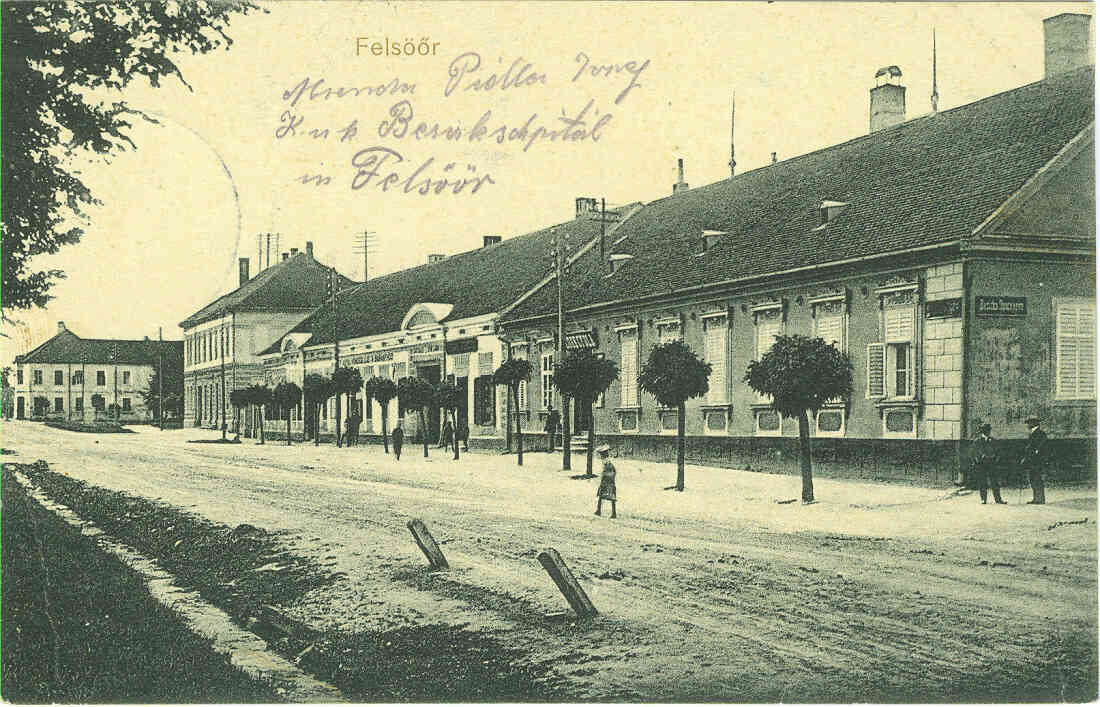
<point>715,332</point>
<point>668,330</point>
<point>484,400</point>
<point>126,378</point>
<point>520,352</point>
<point>58,404</point>
<point>101,378</point>
<point>628,367</point>
<point>1075,349</point>
<point>37,377</point>
<point>59,377</point>
<point>547,380</point>
<point>78,377</point>
<point>79,405</point>
<point>829,323</point>
<point>769,324</point>
<point>768,423</point>
<point>126,405</point>
<point>891,363</point>
<point>19,376</point>
<point>830,422</point>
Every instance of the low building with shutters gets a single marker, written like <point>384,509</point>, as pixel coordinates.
<point>951,256</point>
<point>437,322</point>
<point>74,379</point>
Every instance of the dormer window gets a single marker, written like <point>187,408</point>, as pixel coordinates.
<point>708,240</point>
<point>617,260</point>
<point>829,210</point>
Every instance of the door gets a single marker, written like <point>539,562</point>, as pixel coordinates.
<point>20,409</point>
<point>581,419</point>
<point>432,375</point>
<point>463,409</point>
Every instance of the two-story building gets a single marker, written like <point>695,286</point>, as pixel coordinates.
<point>223,339</point>
<point>436,322</point>
<point>71,378</point>
<point>951,256</point>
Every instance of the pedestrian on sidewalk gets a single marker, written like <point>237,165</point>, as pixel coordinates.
<point>446,433</point>
<point>398,440</point>
<point>606,492</point>
<point>553,420</point>
<point>354,421</point>
<point>985,464</point>
<point>1035,460</point>
<point>463,433</point>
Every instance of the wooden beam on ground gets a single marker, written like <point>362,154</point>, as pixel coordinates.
<point>567,583</point>
<point>427,544</point>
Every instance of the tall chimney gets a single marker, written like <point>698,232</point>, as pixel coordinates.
<point>285,256</point>
<point>733,111</point>
<point>680,185</point>
<point>774,158</point>
<point>293,252</point>
<point>1066,43</point>
<point>242,264</point>
<point>309,248</point>
<point>61,327</point>
<point>887,99</point>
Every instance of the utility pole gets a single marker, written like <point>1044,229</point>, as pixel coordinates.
<point>560,255</point>
<point>160,376</point>
<point>335,343</point>
<point>364,243</point>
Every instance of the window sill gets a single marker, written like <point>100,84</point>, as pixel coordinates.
<point>715,407</point>
<point>635,408</point>
<point>757,407</point>
<point>1073,402</point>
<point>909,403</point>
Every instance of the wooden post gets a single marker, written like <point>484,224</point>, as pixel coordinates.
<point>428,544</point>
<point>567,583</point>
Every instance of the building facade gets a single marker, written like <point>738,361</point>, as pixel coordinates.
<point>223,339</point>
<point>952,257</point>
<point>82,380</point>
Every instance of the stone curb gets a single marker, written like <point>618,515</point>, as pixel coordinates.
<point>244,649</point>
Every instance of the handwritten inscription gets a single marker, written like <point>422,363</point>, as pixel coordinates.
<point>588,69</point>
<point>371,165</point>
<point>518,75</point>
<point>316,90</point>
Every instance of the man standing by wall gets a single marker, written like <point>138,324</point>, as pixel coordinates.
<point>553,420</point>
<point>1035,459</point>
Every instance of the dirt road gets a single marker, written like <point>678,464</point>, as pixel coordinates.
<point>878,593</point>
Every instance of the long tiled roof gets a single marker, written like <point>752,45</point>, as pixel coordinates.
<point>927,181</point>
<point>292,285</point>
<point>476,282</point>
<point>67,347</point>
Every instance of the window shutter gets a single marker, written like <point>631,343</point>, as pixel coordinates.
<point>876,370</point>
<point>899,325</point>
<point>715,352</point>
<point>629,365</point>
<point>1076,355</point>
<point>831,329</point>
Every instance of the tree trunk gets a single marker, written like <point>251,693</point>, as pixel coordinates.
<point>454,437</point>
<point>288,427</point>
<point>316,424</point>
<point>804,453</point>
<point>423,431</point>
<point>680,447</point>
<point>519,430</point>
<point>385,441</point>
<point>591,441</point>
<point>566,436</point>
<point>261,411</point>
<point>507,418</point>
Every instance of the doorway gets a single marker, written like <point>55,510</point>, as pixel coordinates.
<point>431,374</point>
<point>20,409</point>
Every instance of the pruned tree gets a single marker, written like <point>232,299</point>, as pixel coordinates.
<point>239,400</point>
<point>511,373</point>
<point>584,376</point>
<point>345,381</point>
<point>801,375</point>
<point>417,394</point>
<point>58,57</point>
<point>383,390</point>
<point>317,389</point>
<point>287,396</point>
<point>450,397</point>
<point>260,396</point>
<point>674,374</point>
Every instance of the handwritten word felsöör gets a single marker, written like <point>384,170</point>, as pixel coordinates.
<point>370,161</point>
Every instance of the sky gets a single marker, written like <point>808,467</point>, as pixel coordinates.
<point>226,160</point>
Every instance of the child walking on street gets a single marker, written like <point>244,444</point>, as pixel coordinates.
<point>606,492</point>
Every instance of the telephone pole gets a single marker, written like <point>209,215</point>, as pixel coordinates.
<point>335,343</point>
<point>221,339</point>
<point>364,242</point>
<point>160,376</point>
<point>560,255</point>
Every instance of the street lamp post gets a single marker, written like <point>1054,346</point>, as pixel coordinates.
<point>560,254</point>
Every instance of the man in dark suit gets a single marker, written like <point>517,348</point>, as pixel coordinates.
<point>1035,460</point>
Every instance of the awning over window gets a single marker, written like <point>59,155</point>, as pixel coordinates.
<point>579,341</point>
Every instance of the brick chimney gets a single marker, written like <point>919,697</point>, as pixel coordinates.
<point>887,99</point>
<point>285,255</point>
<point>680,184</point>
<point>293,252</point>
<point>309,248</point>
<point>435,258</point>
<point>585,205</point>
<point>490,240</point>
<point>1066,43</point>
<point>61,327</point>
<point>242,264</point>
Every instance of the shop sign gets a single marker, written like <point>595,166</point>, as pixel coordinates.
<point>372,357</point>
<point>1000,306</point>
<point>461,346</point>
<point>944,308</point>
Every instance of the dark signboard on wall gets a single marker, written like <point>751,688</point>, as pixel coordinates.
<point>944,308</point>
<point>1000,306</point>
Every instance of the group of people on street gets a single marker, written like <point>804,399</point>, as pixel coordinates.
<point>447,434</point>
<point>988,467</point>
<point>351,426</point>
